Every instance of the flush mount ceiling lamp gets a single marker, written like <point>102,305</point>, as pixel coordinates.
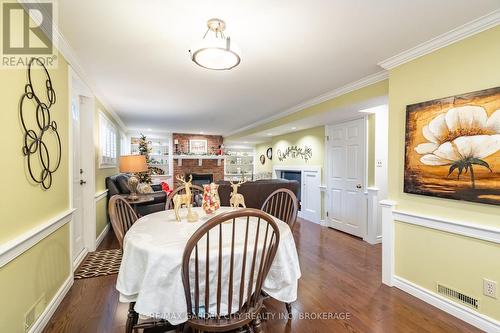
<point>215,50</point>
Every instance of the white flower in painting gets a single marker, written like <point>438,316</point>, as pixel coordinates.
<point>461,137</point>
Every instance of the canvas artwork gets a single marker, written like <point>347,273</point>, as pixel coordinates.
<point>453,147</point>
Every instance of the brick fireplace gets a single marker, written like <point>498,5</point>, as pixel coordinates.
<point>191,166</point>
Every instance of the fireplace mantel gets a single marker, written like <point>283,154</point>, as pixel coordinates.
<point>200,158</point>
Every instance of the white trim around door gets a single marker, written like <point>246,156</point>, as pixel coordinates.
<point>79,90</point>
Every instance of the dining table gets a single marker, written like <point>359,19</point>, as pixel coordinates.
<point>151,269</point>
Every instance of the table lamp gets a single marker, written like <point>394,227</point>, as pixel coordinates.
<point>133,164</point>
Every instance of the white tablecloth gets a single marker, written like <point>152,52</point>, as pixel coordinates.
<point>150,272</point>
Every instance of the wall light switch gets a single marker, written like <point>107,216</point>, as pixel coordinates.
<point>490,288</point>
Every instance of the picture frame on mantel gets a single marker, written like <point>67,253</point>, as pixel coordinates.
<point>198,146</point>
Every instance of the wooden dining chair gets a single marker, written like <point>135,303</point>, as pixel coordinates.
<point>195,189</point>
<point>251,249</point>
<point>122,216</point>
<point>283,204</point>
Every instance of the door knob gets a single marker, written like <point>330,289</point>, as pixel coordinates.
<point>358,186</point>
<point>82,182</point>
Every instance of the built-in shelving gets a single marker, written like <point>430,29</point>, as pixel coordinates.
<point>159,154</point>
<point>239,163</point>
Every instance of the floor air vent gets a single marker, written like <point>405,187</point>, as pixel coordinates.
<point>458,296</point>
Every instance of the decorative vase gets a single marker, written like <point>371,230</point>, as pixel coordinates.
<point>144,188</point>
<point>211,200</point>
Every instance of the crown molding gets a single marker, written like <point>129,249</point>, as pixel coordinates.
<point>63,46</point>
<point>73,60</point>
<point>366,81</point>
<point>469,29</point>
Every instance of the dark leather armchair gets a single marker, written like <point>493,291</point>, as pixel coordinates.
<point>256,192</point>
<point>118,184</point>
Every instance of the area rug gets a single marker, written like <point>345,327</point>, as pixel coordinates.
<point>100,263</point>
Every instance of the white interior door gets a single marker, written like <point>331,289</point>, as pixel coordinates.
<point>78,183</point>
<point>346,177</point>
<point>310,203</point>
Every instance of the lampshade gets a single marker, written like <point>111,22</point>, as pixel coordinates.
<point>133,163</point>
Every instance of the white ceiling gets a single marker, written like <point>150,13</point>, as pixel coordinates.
<point>136,52</point>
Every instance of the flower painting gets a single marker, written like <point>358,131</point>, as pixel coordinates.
<point>453,147</point>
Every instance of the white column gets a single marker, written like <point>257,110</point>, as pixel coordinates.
<point>373,218</point>
<point>388,242</point>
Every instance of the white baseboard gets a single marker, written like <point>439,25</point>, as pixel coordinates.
<point>103,234</point>
<point>44,318</point>
<point>464,313</point>
<point>78,260</point>
<point>377,240</point>
<point>301,215</point>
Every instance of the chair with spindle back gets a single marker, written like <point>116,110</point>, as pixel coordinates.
<point>195,189</point>
<point>122,216</point>
<point>283,204</point>
<point>249,253</point>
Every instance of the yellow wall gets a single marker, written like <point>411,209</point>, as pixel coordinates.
<point>101,209</point>
<point>367,93</point>
<point>314,138</point>
<point>38,273</point>
<point>33,277</point>
<point>426,256</point>
<point>16,182</point>
<point>470,65</point>
<point>261,149</point>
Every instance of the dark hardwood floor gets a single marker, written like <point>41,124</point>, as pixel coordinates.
<point>341,283</point>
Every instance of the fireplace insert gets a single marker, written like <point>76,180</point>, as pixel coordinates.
<point>201,178</point>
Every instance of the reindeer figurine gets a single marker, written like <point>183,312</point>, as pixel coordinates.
<point>236,199</point>
<point>182,199</point>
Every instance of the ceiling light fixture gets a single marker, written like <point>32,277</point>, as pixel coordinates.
<point>215,50</point>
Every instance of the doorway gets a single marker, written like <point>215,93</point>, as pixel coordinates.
<point>347,177</point>
<point>82,170</point>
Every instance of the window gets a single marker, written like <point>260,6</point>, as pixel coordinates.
<point>124,146</point>
<point>107,142</point>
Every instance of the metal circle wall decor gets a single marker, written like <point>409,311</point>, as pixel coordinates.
<point>35,139</point>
